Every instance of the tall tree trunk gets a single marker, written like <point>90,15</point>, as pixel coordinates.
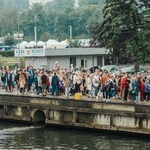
<point>136,66</point>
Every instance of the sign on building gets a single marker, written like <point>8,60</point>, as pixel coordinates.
<point>29,52</point>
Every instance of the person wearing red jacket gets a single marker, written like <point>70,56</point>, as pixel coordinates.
<point>125,81</point>
<point>142,89</point>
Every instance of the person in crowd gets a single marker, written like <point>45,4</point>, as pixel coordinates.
<point>142,89</point>
<point>83,83</point>
<point>29,81</point>
<point>66,79</point>
<point>89,85</point>
<point>43,81</point>
<point>61,83</point>
<point>113,87</point>
<point>29,68</point>
<point>9,81</point>
<point>55,84</point>
<point>39,83</point>
<point>125,81</point>
<point>22,83</point>
<point>137,88</point>
<point>1,76</point>
<point>108,86</point>
<point>35,81</point>
<point>117,86</point>
<point>77,82</point>
<point>147,88</point>
<point>16,79</point>
<point>56,68</point>
<point>72,86</point>
<point>96,83</point>
<point>104,78</point>
<point>133,87</point>
<point>48,82</point>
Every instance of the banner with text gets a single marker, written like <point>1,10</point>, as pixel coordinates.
<point>29,52</point>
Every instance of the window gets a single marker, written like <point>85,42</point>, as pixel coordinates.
<point>73,61</point>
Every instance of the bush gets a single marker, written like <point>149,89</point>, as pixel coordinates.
<point>7,53</point>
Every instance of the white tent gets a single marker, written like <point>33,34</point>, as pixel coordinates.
<point>33,43</point>
<point>51,43</point>
<point>64,43</point>
<point>40,43</point>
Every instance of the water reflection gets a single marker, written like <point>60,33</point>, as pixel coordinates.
<point>13,136</point>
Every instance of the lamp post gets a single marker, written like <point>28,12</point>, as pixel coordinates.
<point>18,35</point>
<point>70,32</point>
<point>35,29</point>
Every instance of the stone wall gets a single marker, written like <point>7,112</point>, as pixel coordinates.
<point>129,117</point>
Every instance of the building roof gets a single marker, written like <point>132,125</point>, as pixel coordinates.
<point>76,51</point>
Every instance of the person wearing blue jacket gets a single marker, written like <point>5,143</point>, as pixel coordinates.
<point>8,80</point>
<point>55,84</point>
<point>147,88</point>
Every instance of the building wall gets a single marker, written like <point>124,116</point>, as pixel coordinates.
<point>36,62</point>
<point>63,62</point>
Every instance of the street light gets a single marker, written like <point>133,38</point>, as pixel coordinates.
<point>18,35</point>
<point>70,32</point>
<point>35,29</point>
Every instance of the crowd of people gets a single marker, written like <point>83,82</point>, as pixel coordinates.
<point>60,81</point>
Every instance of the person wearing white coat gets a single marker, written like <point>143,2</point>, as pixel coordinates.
<point>89,85</point>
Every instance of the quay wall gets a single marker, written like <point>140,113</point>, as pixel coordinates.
<point>113,116</point>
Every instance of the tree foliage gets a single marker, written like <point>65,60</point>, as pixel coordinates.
<point>75,43</point>
<point>9,40</point>
<point>51,20</point>
<point>125,30</point>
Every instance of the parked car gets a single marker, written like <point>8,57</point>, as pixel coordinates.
<point>92,69</point>
<point>131,70</point>
<point>111,68</point>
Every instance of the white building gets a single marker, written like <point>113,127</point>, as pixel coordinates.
<point>46,54</point>
<point>80,57</point>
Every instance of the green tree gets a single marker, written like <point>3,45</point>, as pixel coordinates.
<point>75,43</point>
<point>8,21</point>
<point>9,40</point>
<point>2,3</point>
<point>57,5</point>
<point>45,36</point>
<point>85,18</point>
<point>125,30</point>
<point>35,16</point>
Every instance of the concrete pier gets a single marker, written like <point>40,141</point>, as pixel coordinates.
<point>88,113</point>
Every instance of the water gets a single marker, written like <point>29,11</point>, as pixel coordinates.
<point>16,136</point>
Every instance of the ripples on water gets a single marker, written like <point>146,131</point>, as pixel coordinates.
<point>14,136</point>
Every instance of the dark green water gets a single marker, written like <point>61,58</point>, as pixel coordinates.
<point>16,136</point>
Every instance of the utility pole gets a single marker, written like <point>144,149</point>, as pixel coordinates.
<point>70,32</point>
<point>35,29</point>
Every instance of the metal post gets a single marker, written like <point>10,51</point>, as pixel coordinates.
<point>35,30</point>
<point>70,32</point>
<point>18,44</point>
<point>35,35</point>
